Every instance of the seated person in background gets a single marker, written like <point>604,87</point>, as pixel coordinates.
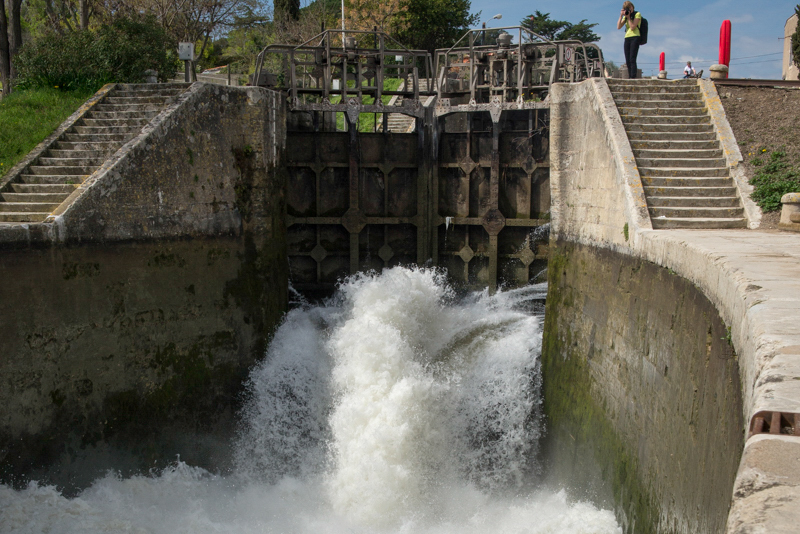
<point>688,70</point>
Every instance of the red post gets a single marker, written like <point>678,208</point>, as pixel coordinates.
<point>662,62</point>
<point>725,44</point>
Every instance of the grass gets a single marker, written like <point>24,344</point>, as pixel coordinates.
<point>368,121</point>
<point>28,117</point>
<point>774,178</point>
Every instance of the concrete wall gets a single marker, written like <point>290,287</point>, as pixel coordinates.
<point>596,192</point>
<point>132,318</point>
<point>751,278</point>
<point>641,391</point>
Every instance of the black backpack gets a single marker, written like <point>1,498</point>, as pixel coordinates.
<point>642,31</point>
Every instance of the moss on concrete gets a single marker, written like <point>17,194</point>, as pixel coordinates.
<point>641,392</point>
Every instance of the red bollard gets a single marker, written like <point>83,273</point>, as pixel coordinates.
<point>725,45</point>
<point>662,62</point>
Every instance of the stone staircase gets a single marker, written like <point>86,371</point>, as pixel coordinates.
<point>685,175</point>
<point>50,179</point>
<point>400,123</point>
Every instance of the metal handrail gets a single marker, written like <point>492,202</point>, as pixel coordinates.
<point>525,38</point>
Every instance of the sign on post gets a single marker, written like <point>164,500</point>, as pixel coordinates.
<point>186,51</point>
<point>186,54</point>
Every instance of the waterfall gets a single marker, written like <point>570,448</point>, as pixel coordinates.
<point>396,407</point>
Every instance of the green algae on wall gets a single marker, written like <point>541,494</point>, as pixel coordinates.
<point>131,361</point>
<point>641,392</point>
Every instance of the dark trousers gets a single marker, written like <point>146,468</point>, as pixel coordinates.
<point>631,51</point>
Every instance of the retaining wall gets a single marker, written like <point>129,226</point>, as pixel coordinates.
<point>752,281</point>
<point>133,315</point>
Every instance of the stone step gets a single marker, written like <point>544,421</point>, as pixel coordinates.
<point>693,202</point>
<point>150,93</point>
<point>674,144</point>
<point>619,89</point>
<point>697,223</point>
<point>47,170</point>
<point>94,161</point>
<point>678,111</point>
<point>694,104</point>
<point>139,87</point>
<point>40,198</point>
<point>701,191</point>
<point>113,98</point>
<point>28,207</point>
<point>129,122</point>
<point>638,136</point>
<point>651,153</point>
<point>77,153</point>
<point>84,138</point>
<point>682,163</point>
<point>23,217</point>
<point>126,108</point>
<point>65,189</point>
<point>677,120</point>
<point>122,114</point>
<point>106,130</point>
<point>686,181</point>
<point>685,172</point>
<point>52,179</point>
<point>689,98</point>
<point>93,147</point>
<point>692,212</point>
<point>669,128</point>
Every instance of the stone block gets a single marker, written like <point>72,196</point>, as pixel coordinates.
<point>790,212</point>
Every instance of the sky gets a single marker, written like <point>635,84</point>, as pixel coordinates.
<point>684,30</point>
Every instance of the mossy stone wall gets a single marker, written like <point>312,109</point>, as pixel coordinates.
<point>130,324</point>
<point>641,392</point>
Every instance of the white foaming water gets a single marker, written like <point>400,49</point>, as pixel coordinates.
<point>394,409</point>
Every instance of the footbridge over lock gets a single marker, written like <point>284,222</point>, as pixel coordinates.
<point>462,183</point>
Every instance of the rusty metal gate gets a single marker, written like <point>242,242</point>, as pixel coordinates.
<point>492,192</point>
<point>464,192</point>
<point>354,203</point>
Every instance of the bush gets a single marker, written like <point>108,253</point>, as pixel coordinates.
<point>773,180</point>
<point>119,52</point>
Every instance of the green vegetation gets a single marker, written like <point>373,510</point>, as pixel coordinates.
<point>559,30</point>
<point>120,52</point>
<point>28,117</point>
<point>774,178</point>
<point>367,121</point>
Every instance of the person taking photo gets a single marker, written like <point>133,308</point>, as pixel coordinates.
<point>630,19</point>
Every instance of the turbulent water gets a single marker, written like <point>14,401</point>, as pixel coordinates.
<point>395,408</point>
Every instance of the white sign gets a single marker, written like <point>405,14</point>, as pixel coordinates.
<point>567,53</point>
<point>186,51</point>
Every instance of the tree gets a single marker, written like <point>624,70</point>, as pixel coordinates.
<point>432,24</point>
<point>285,10</point>
<point>559,30</point>
<point>368,14</point>
<point>10,41</point>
